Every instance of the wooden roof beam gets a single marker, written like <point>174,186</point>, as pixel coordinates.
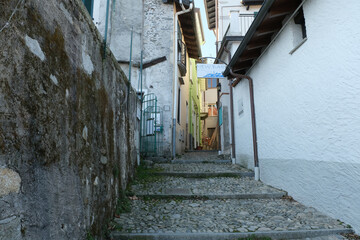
<point>243,65</point>
<point>255,44</point>
<point>267,29</point>
<point>282,10</point>
<point>250,55</point>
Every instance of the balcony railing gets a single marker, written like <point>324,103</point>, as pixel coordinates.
<point>245,21</point>
<point>204,108</point>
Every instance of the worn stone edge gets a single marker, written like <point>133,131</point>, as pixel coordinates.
<point>205,174</point>
<point>222,236</point>
<point>217,196</point>
<point>200,161</point>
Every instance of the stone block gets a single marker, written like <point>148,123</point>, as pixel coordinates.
<point>10,182</point>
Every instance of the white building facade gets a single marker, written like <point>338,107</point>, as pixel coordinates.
<point>307,98</point>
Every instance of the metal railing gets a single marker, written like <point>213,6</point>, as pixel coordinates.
<point>245,21</point>
<point>204,108</point>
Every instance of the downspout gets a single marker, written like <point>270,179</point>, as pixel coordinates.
<point>233,153</point>
<point>141,103</point>
<point>176,72</point>
<point>253,119</point>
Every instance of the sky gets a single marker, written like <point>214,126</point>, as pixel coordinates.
<point>208,49</point>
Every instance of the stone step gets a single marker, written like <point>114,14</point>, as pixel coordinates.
<point>213,196</point>
<point>201,168</point>
<point>224,219</point>
<point>205,174</point>
<point>323,234</point>
<point>186,161</point>
<point>198,170</point>
<point>207,188</point>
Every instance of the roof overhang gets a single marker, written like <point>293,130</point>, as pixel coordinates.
<point>190,32</point>
<point>210,13</point>
<point>260,34</point>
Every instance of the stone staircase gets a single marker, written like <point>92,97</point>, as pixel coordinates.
<point>196,197</point>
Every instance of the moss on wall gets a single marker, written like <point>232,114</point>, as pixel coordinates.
<point>71,140</point>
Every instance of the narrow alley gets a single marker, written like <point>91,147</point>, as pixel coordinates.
<point>201,196</point>
<point>179,119</point>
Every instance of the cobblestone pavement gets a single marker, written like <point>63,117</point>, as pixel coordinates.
<point>209,186</point>
<point>201,167</point>
<point>200,218</point>
<point>217,216</point>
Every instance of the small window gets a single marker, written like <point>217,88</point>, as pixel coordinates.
<point>299,30</point>
<point>179,105</point>
<point>300,20</point>
<point>211,83</point>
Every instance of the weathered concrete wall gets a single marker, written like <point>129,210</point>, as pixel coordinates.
<point>67,131</point>
<point>158,79</point>
<point>307,110</point>
<point>124,17</point>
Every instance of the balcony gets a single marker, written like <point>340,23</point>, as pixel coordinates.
<point>244,23</point>
<point>182,57</point>
<point>204,111</point>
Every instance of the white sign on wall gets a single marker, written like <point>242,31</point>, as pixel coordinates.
<point>210,70</point>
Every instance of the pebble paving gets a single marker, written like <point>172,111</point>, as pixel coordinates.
<point>201,168</point>
<point>216,216</point>
<point>202,186</point>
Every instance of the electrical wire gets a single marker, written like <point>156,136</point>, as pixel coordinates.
<point>8,21</point>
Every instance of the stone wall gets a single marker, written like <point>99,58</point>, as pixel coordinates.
<point>68,124</point>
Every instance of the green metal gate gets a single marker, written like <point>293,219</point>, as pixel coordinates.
<point>151,126</point>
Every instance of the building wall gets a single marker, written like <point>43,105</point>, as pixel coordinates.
<point>182,132</point>
<point>211,95</point>
<point>152,24</point>
<point>158,79</point>
<point>224,9</point>
<point>307,110</point>
<point>194,99</point>
<point>68,125</point>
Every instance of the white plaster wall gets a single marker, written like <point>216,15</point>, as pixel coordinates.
<point>211,95</point>
<point>308,115</point>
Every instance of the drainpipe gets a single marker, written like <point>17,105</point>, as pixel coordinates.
<point>176,72</point>
<point>253,120</point>
<point>233,154</point>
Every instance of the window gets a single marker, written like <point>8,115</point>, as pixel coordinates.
<point>211,83</point>
<point>299,30</point>
<point>178,106</point>
<point>300,19</point>
<point>212,110</point>
<point>89,4</point>
<point>181,50</point>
